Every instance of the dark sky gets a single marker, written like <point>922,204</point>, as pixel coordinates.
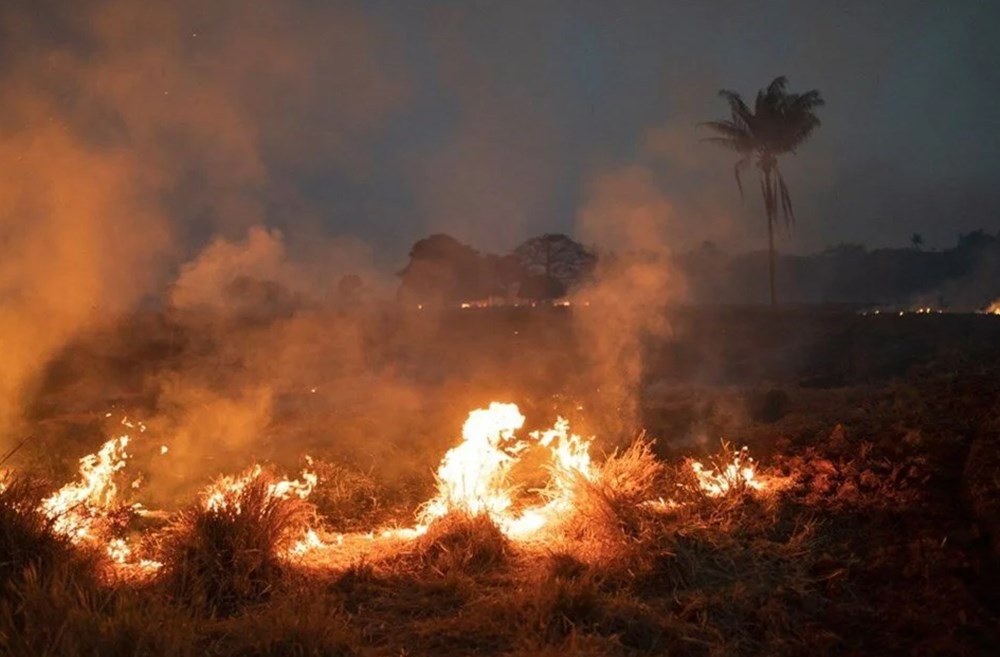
<point>388,120</point>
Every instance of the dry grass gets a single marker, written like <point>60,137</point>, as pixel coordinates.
<point>348,500</point>
<point>27,542</point>
<point>222,559</point>
<point>847,559</point>
<point>458,543</point>
<point>609,506</point>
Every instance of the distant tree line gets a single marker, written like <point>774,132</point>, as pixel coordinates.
<point>443,270</point>
<point>964,277</point>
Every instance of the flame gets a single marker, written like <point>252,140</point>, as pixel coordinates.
<point>473,477</point>
<point>78,508</point>
<point>736,476</point>
<point>223,494</point>
<point>311,541</point>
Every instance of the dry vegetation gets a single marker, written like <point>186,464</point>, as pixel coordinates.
<point>877,534</point>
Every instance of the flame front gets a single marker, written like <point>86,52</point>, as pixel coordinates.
<point>474,479</point>
<point>78,508</point>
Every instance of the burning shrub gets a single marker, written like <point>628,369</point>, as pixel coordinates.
<point>610,503</point>
<point>88,511</point>
<point>226,551</point>
<point>731,473</point>
<point>27,540</point>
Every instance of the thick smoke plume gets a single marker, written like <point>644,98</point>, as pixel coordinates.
<point>131,133</point>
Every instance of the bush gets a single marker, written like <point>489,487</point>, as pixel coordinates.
<point>222,558</point>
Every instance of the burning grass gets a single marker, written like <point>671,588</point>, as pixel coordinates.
<point>30,546</point>
<point>623,555</point>
<point>226,552</point>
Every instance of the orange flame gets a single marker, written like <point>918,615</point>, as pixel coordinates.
<point>78,508</point>
<point>736,476</point>
<point>473,477</point>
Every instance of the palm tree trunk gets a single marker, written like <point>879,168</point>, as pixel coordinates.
<point>770,258</point>
<point>771,210</point>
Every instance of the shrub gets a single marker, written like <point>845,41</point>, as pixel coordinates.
<point>222,557</point>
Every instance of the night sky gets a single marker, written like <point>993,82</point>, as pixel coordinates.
<point>494,121</point>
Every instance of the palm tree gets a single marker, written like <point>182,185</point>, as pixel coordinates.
<point>778,124</point>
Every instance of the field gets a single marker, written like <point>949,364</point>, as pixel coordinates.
<point>870,524</point>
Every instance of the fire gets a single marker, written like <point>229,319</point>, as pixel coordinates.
<point>312,541</point>
<point>223,494</point>
<point>473,477</point>
<point>735,476</point>
<point>78,508</point>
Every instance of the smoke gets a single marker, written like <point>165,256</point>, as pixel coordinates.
<point>80,242</point>
<point>631,221</point>
<point>132,133</point>
<point>270,344</point>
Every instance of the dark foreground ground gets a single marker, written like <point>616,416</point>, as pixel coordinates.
<point>884,540</point>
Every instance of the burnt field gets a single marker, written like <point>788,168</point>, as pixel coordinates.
<point>862,519</point>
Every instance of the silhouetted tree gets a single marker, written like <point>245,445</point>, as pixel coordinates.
<point>503,274</point>
<point>917,240</point>
<point>778,124</point>
<point>540,287</point>
<point>552,264</point>
<point>443,270</point>
<point>976,239</point>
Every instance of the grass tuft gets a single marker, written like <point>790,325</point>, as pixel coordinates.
<point>224,558</point>
<point>459,543</point>
<point>27,542</point>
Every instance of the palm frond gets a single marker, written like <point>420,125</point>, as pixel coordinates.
<point>728,129</point>
<point>807,101</point>
<point>740,164</point>
<point>777,86</point>
<point>727,142</point>
<point>738,108</point>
